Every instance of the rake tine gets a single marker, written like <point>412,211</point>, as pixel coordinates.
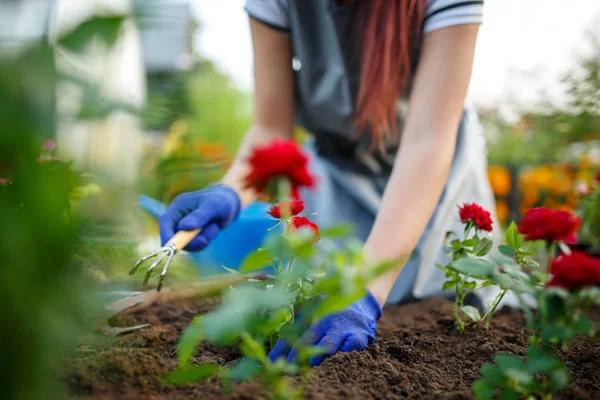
<point>172,253</point>
<point>154,264</point>
<point>141,260</point>
<point>169,250</point>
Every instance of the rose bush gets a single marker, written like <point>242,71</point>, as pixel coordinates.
<point>306,284</point>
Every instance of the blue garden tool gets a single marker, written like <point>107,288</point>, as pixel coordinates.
<point>229,248</point>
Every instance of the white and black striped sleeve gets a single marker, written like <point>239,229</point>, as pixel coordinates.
<point>444,13</point>
<point>270,12</point>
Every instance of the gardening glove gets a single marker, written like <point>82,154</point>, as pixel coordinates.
<point>211,209</point>
<point>351,329</point>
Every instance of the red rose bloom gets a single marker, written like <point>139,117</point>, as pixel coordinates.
<point>476,214</point>
<point>297,223</point>
<point>598,178</point>
<point>575,271</point>
<point>294,207</point>
<point>550,225</point>
<point>279,159</point>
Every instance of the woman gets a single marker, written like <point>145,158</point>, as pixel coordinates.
<point>381,85</point>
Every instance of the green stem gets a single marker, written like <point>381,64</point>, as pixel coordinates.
<point>526,309</point>
<point>284,189</point>
<point>289,266</point>
<point>458,299</point>
<point>492,310</point>
<point>551,246</point>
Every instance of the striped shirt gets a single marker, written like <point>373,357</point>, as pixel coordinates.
<point>438,13</point>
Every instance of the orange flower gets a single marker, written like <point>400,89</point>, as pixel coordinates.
<point>499,178</point>
<point>502,210</point>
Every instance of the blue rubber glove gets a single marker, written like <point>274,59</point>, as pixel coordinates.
<point>348,330</point>
<point>211,209</point>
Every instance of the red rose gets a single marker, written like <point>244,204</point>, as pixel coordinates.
<point>297,223</point>
<point>575,271</point>
<point>294,207</point>
<point>476,214</point>
<point>550,225</point>
<point>598,178</point>
<point>279,159</point>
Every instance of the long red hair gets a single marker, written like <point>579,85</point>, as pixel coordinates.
<point>391,32</point>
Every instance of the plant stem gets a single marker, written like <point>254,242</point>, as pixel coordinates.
<point>457,301</point>
<point>492,310</point>
<point>551,246</point>
<point>289,266</point>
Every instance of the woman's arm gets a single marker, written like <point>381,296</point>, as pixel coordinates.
<point>273,99</point>
<point>426,150</point>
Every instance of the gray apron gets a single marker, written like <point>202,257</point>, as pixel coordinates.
<point>350,188</point>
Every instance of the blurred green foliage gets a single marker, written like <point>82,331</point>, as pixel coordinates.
<point>543,136</point>
<point>46,297</point>
<point>202,118</point>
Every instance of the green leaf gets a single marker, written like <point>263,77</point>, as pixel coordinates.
<point>456,245</point>
<point>105,29</point>
<point>259,259</point>
<point>486,284</point>
<point>336,231</point>
<point>189,340</point>
<point>559,378</point>
<point>483,390</point>
<point>509,394</point>
<point>483,247</point>
<point>279,247</point>
<point>584,326</point>
<point>508,361</point>
<point>513,238</point>
<point>470,285</point>
<point>469,242</point>
<point>493,375</point>
<point>472,313</point>
<point>244,370</point>
<point>522,377</point>
<point>449,285</point>
<point>246,309</point>
<point>196,373</point>
<point>506,250</point>
<point>307,288</point>
<point>252,348</point>
<point>541,365</point>
<point>475,268</point>
<point>335,302</point>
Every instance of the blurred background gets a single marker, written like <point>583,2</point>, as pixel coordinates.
<point>152,97</point>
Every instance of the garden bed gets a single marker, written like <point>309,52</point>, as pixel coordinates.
<point>418,354</point>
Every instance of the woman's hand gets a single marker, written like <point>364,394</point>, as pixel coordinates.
<point>210,210</point>
<point>348,330</point>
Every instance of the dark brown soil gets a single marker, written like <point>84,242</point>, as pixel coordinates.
<point>418,355</point>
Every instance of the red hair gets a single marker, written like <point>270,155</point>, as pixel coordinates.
<point>391,32</point>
